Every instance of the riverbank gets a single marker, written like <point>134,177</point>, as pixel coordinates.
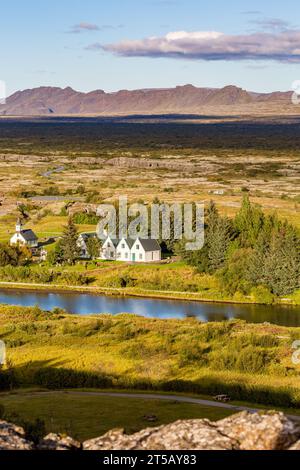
<point>133,292</point>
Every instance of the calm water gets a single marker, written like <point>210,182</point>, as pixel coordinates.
<point>84,304</point>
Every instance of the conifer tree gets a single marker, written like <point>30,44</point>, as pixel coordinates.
<point>93,247</point>
<point>68,244</point>
<point>281,271</point>
<point>248,222</point>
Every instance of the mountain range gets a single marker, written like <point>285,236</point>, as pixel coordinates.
<point>186,99</point>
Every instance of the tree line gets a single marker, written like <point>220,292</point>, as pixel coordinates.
<point>253,250</point>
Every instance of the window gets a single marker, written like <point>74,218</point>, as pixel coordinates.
<point>141,256</point>
<point>126,255</point>
<point>109,245</point>
<point>137,247</point>
<point>123,246</point>
<point>111,254</point>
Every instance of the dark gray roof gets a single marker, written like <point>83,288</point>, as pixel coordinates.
<point>29,235</point>
<point>130,242</point>
<point>149,244</point>
<point>86,236</point>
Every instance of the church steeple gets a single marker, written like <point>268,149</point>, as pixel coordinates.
<point>19,225</point>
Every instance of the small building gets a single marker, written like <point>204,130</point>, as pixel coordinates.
<point>145,251</point>
<point>124,249</point>
<point>24,237</point>
<point>82,244</point>
<point>109,249</point>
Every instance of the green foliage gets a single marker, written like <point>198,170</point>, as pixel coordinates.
<point>14,255</point>
<point>93,247</point>
<point>262,295</point>
<point>257,254</point>
<point>42,275</point>
<point>85,218</point>
<point>248,222</point>
<point>65,351</point>
<point>218,235</point>
<point>68,244</point>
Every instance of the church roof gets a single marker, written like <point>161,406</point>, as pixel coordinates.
<point>29,235</point>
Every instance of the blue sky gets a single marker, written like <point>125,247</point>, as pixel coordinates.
<point>60,43</point>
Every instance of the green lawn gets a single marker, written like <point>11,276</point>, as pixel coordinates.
<point>86,417</point>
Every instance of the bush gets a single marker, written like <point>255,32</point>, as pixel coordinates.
<point>262,295</point>
<point>84,218</point>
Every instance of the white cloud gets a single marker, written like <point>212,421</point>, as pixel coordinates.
<point>282,46</point>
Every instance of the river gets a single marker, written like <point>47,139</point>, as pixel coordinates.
<point>85,304</point>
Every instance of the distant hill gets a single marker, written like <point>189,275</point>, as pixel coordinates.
<point>186,99</point>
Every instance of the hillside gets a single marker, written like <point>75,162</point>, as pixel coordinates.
<point>187,99</point>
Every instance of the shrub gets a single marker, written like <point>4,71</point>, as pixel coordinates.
<point>262,295</point>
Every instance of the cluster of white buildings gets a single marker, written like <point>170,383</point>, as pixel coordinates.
<point>139,250</point>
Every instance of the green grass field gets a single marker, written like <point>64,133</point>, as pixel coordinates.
<point>86,417</point>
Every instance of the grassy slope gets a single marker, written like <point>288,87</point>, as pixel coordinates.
<point>251,362</point>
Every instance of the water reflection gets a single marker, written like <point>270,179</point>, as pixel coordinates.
<point>84,304</point>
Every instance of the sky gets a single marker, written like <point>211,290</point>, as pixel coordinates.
<point>132,44</point>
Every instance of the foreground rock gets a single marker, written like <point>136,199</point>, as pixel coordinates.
<point>58,442</point>
<point>13,438</point>
<point>244,431</point>
<point>182,435</point>
<point>269,431</point>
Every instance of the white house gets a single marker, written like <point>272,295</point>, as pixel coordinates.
<point>145,251</point>
<point>124,249</point>
<point>128,250</point>
<point>24,237</point>
<point>109,249</point>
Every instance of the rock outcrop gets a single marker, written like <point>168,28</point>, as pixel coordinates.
<point>58,442</point>
<point>244,431</point>
<point>13,437</point>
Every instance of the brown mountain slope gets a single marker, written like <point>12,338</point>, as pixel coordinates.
<point>180,100</point>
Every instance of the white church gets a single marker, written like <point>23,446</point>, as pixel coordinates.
<point>24,237</point>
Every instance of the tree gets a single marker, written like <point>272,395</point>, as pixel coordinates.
<point>16,255</point>
<point>248,222</point>
<point>93,247</point>
<point>69,243</point>
<point>5,255</point>
<point>281,271</point>
<point>218,235</point>
<point>219,239</point>
<point>233,276</point>
<point>56,256</point>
